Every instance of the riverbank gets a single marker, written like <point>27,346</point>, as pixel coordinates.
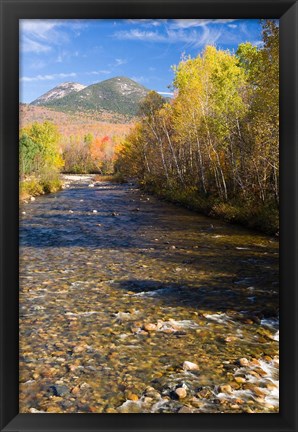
<point>130,304</point>
<point>35,186</point>
<point>260,218</point>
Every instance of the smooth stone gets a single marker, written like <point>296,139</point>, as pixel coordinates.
<point>230,339</point>
<point>271,386</point>
<point>258,391</point>
<point>197,403</point>
<point>243,361</point>
<point>54,409</point>
<point>260,372</point>
<point>150,327</point>
<point>240,380</point>
<point>36,411</point>
<point>132,396</point>
<point>185,410</point>
<point>129,407</point>
<point>267,358</point>
<point>226,388</point>
<point>189,366</point>
<point>181,392</point>
<point>111,410</point>
<point>75,390</point>
<point>152,393</point>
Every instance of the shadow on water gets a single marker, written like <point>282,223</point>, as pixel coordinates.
<point>218,262</point>
<point>212,295</point>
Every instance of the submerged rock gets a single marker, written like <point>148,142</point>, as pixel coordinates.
<point>189,366</point>
<point>129,407</point>
<point>243,362</point>
<point>225,388</point>
<point>58,390</point>
<point>150,327</point>
<point>181,392</point>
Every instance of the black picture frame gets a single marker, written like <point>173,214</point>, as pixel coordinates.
<point>11,12</point>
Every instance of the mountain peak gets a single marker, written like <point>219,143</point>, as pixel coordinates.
<point>119,94</point>
<point>58,92</point>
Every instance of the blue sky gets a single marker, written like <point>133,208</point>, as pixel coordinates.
<point>90,51</point>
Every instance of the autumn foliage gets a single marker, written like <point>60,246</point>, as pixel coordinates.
<point>215,147</point>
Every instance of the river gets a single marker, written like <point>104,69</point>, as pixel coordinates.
<point>131,304</point>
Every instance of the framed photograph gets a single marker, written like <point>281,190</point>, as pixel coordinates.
<point>148,215</point>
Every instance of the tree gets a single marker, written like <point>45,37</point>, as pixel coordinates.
<point>29,152</point>
<point>44,138</point>
<point>218,139</point>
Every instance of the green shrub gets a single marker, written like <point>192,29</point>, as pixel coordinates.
<point>39,186</point>
<point>31,187</point>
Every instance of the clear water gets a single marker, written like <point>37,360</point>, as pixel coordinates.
<point>91,281</point>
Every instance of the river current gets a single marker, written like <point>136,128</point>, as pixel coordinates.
<point>131,304</point>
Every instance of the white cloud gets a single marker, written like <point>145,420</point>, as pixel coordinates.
<point>142,35</point>
<point>41,35</point>
<point>233,26</point>
<point>29,45</point>
<point>165,93</point>
<point>187,23</point>
<point>99,72</point>
<point>48,77</point>
<point>38,28</point>
<point>191,37</point>
<point>120,62</point>
<point>145,22</point>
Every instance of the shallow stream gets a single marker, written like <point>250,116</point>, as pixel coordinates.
<point>132,304</point>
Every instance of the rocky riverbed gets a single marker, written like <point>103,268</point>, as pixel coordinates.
<point>129,304</point>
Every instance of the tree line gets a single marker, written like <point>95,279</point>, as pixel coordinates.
<point>44,153</point>
<point>215,146</point>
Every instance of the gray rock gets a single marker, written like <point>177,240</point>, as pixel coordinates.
<point>129,407</point>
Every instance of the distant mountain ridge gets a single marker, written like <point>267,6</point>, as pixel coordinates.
<point>58,92</point>
<point>119,95</point>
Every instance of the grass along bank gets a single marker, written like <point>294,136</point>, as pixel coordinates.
<point>34,186</point>
<point>261,218</point>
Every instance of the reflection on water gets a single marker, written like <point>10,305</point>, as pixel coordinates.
<point>118,290</point>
